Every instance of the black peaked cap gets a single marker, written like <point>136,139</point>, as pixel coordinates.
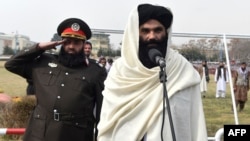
<point>68,23</point>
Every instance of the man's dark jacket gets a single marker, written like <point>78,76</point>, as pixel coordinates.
<point>66,97</point>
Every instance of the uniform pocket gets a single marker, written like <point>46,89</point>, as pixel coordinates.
<point>38,127</point>
<point>38,123</point>
<point>48,76</point>
<point>80,84</point>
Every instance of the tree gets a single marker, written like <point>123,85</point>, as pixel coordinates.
<point>118,52</point>
<point>8,51</point>
<point>240,50</point>
<point>56,37</point>
<point>192,54</point>
<point>100,52</point>
<point>109,52</point>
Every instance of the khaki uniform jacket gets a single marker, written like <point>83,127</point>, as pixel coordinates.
<point>66,97</point>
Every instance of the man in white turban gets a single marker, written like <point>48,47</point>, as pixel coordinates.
<point>133,94</point>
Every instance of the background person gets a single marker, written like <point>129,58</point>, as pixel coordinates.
<point>102,62</point>
<point>87,48</point>
<point>109,64</point>
<point>221,78</point>
<point>67,87</point>
<point>204,74</point>
<point>133,95</point>
<point>241,85</point>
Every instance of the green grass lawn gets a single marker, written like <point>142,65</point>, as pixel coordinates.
<point>10,83</point>
<point>217,111</point>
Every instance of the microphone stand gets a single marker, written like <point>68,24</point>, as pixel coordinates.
<point>163,80</point>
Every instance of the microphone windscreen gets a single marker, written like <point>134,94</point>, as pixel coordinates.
<point>152,53</point>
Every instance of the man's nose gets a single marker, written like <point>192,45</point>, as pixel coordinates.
<point>151,35</point>
<point>71,45</point>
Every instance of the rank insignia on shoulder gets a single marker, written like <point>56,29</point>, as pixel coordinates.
<point>52,65</point>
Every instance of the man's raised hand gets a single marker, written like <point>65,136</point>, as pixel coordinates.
<point>50,45</point>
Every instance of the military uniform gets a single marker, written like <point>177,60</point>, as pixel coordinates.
<point>66,96</point>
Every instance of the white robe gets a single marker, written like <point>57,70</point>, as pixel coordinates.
<point>221,83</point>
<point>133,96</point>
<point>203,84</point>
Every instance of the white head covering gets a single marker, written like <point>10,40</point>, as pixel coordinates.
<point>133,94</point>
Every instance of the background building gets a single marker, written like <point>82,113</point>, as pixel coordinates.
<point>15,41</point>
<point>100,42</point>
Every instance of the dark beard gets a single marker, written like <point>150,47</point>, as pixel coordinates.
<point>243,69</point>
<point>71,60</point>
<point>144,49</point>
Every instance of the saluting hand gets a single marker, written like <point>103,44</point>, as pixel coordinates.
<point>50,45</point>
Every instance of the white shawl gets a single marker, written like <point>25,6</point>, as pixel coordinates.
<point>133,94</point>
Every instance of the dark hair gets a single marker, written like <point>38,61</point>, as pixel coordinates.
<point>102,58</point>
<point>159,13</point>
<point>88,43</point>
<point>110,60</point>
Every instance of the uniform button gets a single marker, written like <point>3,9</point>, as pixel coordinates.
<point>76,123</point>
<point>58,97</point>
<point>83,77</point>
<point>66,73</point>
<point>38,116</point>
<point>55,110</point>
<point>50,72</point>
<point>62,85</point>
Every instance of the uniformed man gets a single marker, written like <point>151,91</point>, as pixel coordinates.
<point>67,87</point>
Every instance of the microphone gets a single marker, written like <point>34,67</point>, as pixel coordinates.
<point>156,57</point>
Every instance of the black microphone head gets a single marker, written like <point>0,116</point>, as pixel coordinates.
<point>152,53</point>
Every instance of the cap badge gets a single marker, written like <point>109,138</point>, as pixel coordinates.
<point>75,26</point>
<point>52,65</point>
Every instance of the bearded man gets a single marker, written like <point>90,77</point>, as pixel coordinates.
<point>241,85</point>
<point>133,95</point>
<point>67,90</point>
<point>204,74</point>
<point>221,77</point>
